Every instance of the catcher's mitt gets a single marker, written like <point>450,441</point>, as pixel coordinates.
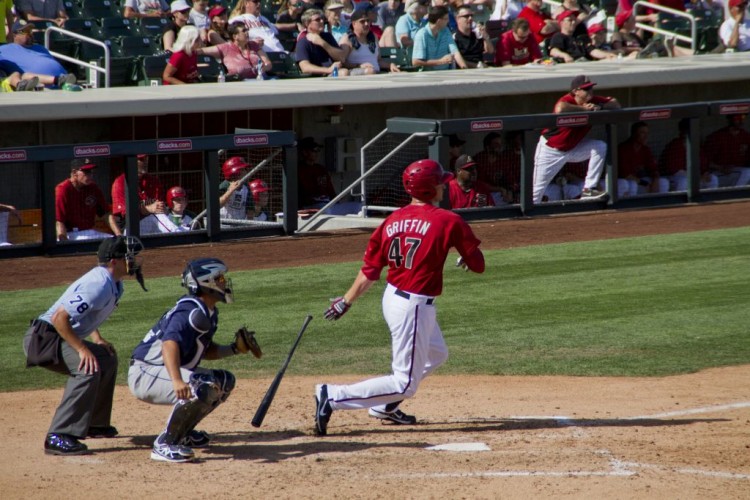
<point>244,341</point>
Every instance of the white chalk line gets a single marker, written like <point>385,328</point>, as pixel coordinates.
<point>695,411</point>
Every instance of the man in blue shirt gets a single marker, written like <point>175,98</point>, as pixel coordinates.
<point>410,23</point>
<point>434,47</point>
<point>55,340</point>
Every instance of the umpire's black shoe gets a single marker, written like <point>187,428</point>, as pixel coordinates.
<point>64,444</point>
<point>102,431</point>
<point>323,410</point>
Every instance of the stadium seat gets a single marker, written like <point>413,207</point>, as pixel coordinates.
<point>151,70</point>
<point>85,26</point>
<point>400,56</point>
<point>115,27</point>
<point>153,26</point>
<point>100,8</point>
<point>495,29</point>
<point>284,65</point>
<point>209,68</point>
<point>137,46</point>
<point>73,10</point>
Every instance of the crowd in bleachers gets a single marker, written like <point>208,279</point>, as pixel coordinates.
<point>295,38</point>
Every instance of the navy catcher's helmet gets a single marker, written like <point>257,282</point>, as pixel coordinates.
<point>207,276</point>
<point>422,178</point>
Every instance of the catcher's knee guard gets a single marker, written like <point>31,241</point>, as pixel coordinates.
<point>210,389</point>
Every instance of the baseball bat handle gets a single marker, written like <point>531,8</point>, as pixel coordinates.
<point>265,404</point>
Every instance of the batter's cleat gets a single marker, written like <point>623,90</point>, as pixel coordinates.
<point>593,193</point>
<point>103,431</point>
<point>323,410</point>
<point>173,453</point>
<point>64,444</point>
<point>196,439</point>
<point>397,417</point>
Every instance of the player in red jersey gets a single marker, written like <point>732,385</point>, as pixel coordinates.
<point>78,202</point>
<point>413,242</point>
<point>560,145</point>
<point>728,152</point>
<point>464,190</point>
<point>150,192</point>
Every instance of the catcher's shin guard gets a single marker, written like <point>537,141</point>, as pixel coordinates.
<point>209,391</point>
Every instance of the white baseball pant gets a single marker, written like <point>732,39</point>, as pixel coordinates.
<point>549,161</point>
<point>417,347</point>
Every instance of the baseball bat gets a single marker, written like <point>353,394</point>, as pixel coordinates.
<point>260,413</point>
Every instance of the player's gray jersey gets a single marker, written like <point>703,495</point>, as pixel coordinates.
<point>89,301</point>
<point>237,205</point>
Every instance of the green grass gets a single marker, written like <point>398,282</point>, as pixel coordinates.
<point>644,306</point>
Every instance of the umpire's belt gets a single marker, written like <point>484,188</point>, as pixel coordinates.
<point>407,296</point>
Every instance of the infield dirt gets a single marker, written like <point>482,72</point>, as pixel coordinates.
<point>682,437</point>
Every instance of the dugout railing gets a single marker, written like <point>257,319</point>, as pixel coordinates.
<point>30,175</point>
<point>612,126</point>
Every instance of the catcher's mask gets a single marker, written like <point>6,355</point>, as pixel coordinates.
<point>208,276</point>
<point>127,248</point>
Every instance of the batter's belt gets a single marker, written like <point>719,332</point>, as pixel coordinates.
<point>407,296</point>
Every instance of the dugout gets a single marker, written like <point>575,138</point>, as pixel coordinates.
<point>193,163</point>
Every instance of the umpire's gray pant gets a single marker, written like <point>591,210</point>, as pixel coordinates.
<point>87,400</point>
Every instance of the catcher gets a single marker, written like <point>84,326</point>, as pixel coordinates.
<point>164,366</point>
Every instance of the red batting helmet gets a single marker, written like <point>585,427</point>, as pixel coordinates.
<point>233,165</point>
<point>175,192</point>
<point>422,178</point>
<point>256,187</point>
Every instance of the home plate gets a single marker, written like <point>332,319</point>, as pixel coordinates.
<point>460,447</point>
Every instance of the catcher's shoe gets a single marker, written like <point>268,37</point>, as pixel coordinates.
<point>323,410</point>
<point>196,439</point>
<point>64,444</point>
<point>397,417</point>
<point>174,453</point>
<point>103,431</point>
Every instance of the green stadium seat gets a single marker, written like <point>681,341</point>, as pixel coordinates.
<point>115,27</point>
<point>151,70</point>
<point>209,68</point>
<point>400,56</point>
<point>284,65</point>
<point>137,46</point>
<point>100,8</point>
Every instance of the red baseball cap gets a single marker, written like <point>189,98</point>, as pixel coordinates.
<point>216,11</point>
<point>596,28</point>
<point>566,14</point>
<point>737,3</point>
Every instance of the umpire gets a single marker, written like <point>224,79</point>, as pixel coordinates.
<point>55,340</point>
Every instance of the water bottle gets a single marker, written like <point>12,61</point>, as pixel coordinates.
<point>222,77</point>
<point>259,70</point>
<point>335,73</point>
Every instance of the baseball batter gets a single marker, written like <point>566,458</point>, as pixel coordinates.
<point>413,243</point>
<point>560,145</point>
<point>56,341</point>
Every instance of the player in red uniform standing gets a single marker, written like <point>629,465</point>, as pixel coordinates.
<point>413,242</point>
<point>78,202</point>
<point>560,145</point>
<point>150,192</point>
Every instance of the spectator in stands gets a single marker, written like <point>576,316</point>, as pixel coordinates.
<point>728,152</point>
<point>582,15</point>
<point>541,24</point>
<point>240,56</point>
<point>218,32</point>
<point>235,198</point>
<point>625,40</point>
<point>637,171</point>
<point>313,181</point>
<point>506,10</point>
<point>334,26</point>
<point>182,67</point>
<point>198,17</point>
<point>361,46</point>
<point>434,48</point>
<point>16,82</point>
<point>176,218</point>
<point>516,46</point>
<point>410,23</point>
<point>464,190</point>
<point>25,57</point>
<point>735,30</point>
<point>288,21</point>
<point>5,212</point>
<point>455,146</point>
<point>317,52</point>
<point>388,14</point>
<point>137,9</point>
<point>600,48</point>
<point>346,13</point>
<point>180,11</point>
<point>472,47</point>
<point>260,192</point>
<point>150,194</point>
<point>563,46</point>
<point>673,162</point>
<point>52,11</point>
<point>78,202</point>
<point>258,26</point>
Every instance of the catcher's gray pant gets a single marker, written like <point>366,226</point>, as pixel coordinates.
<point>87,400</point>
<point>549,161</point>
